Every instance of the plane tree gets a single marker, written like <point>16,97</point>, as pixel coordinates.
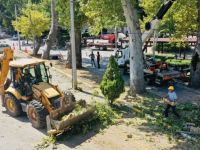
<point>32,23</point>
<point>80,19</point>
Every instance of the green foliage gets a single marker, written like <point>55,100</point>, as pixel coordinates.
<point>103,116</point>
<point>46,142</point>
<point>177,62</point>
<point>63,9</point>
<point>180,21</point>
<point>173,47</point>
<point>112,84</point>
<point>152,108</point>
<point>7,9</point>
<point>33,22</point>
<point>161,57</point>
<point>101,13</point>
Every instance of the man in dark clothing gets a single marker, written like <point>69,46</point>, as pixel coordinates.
<point>92,56</point>
<point>98,59</point>
<point>28,81</point>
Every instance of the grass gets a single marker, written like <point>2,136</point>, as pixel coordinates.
<point>151,109</point>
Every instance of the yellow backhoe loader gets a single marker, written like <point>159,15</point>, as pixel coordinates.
<point>29,90</point>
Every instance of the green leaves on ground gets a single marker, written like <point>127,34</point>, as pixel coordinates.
<point>112,84</point>
<point>103,116</point>
<point>46,142</point>
<point>152,108</point>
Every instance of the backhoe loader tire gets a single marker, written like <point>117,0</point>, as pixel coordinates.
<point>13,106</point>
<point>37,113</point>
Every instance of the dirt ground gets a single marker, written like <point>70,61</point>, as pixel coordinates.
<point>131,133</point>
<point>121,137</point>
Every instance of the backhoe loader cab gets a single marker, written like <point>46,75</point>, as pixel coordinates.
<point>31,92</point>
<point>24,73</point>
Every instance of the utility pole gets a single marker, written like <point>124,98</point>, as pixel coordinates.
<point>17,31</point>
<point>74,74</point>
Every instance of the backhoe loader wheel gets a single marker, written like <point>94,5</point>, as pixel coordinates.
<point>37,113</point>
<point>12,105</point>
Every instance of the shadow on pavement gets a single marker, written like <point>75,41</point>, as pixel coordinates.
<point>74,141</point>
<point>89,93</point>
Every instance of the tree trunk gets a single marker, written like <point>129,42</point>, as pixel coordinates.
<point>195,66</point>
<point>38,44</point>
<point>78,51</point>
<point>180,49</point>
<point>135,43</point>
<point>53,31</point>
<point>184,52</point>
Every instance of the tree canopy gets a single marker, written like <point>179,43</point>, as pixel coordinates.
<point>180,20</point>
<point>33,22</point>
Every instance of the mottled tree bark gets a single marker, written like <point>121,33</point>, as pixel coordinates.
<point>53,31</point>
<point>38,43</point>
<point>137,84</point>
<point>78,51</point>
<point>195,66</point>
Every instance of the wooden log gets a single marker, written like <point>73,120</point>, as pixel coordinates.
<point>64,124</point>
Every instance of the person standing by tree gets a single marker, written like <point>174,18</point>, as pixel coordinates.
<point>98,59</point>
<point>92,56</point>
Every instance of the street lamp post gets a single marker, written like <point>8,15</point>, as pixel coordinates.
<point>17,31</point>
<point>74,74</point>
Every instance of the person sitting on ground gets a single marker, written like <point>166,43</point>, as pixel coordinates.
<point>170,100</point>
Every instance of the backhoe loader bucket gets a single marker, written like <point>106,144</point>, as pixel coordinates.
<point>57,126</point>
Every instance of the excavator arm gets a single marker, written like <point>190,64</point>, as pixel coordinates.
<point>5,58</point>
<point>151,26</point>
